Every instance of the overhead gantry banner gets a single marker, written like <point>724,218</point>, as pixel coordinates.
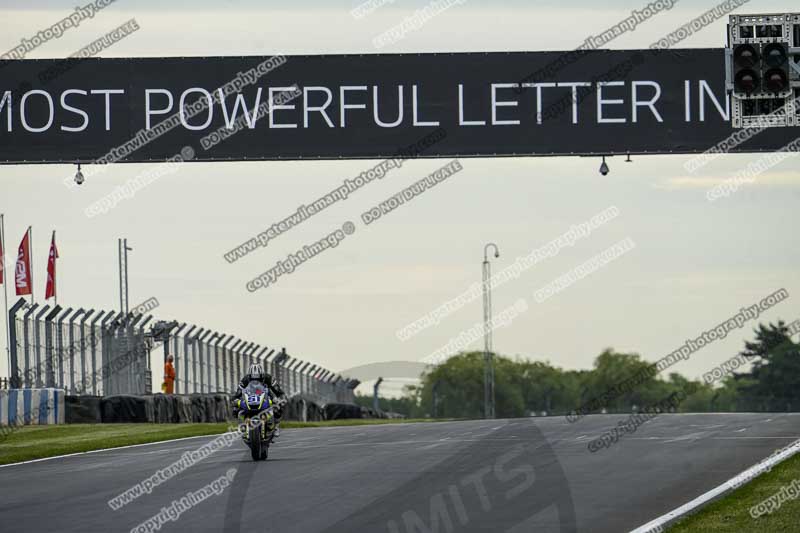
<point>369,106</point>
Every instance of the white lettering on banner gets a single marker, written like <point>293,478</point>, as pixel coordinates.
<point>616,102</point>
<point>21,275</point>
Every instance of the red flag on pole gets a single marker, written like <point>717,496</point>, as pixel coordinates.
<point>50,291</point>
<point>23,277</point>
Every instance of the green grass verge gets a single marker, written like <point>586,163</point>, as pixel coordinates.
<point>732,513</point>
<point>36,442</point>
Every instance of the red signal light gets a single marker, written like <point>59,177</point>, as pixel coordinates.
<point>747,81</point>
<point>775,80</point>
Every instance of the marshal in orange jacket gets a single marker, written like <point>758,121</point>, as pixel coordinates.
<point>169,376</point>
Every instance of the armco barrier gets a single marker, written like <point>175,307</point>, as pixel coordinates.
<point>20,407</point>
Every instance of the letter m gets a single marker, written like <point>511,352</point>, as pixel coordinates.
<point>439,515</point>
<point>6,97</point>
<point>662,365</point>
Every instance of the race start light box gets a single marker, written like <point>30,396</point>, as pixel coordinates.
<point>763,70</point>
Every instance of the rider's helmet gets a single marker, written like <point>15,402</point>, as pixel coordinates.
<point>256,372</point>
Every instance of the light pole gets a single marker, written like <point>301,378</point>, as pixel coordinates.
<point>123,250</point>
<point>488,371</point>
<point>376,406</point>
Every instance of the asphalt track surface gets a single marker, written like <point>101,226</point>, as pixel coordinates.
<point>499,475</point>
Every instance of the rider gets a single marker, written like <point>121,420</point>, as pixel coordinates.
<point>256,373</point>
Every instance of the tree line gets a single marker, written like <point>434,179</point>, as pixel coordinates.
<point>763,377</point>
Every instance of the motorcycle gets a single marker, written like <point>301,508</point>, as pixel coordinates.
<point>257,420</point>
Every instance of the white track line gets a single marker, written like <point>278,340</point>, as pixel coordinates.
<point>662,521</point>
<point>108,450</point>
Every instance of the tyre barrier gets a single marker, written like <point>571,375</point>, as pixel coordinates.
<point>303,409</point>
<point>340,411</point>
<point>197,408</point>
<point>83,410</point>
<point>127,408</point>
<point>20,407</point>
<point>157,408</point>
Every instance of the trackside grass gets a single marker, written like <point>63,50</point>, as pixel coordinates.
<point>732,513</point>
<point>37,442</point>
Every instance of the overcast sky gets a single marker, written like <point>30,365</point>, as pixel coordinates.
<point>694,265</point>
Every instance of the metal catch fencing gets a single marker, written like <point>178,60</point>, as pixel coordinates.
<point>210,361</point>
<point>104,353</point>
<point>81,351</point>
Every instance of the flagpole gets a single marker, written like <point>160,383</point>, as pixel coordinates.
<point>5,288</point>
<point>30,261</point>
<point>55,287</point>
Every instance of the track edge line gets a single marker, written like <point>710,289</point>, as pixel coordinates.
<point>659,524</point>
<point>107,449</point>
